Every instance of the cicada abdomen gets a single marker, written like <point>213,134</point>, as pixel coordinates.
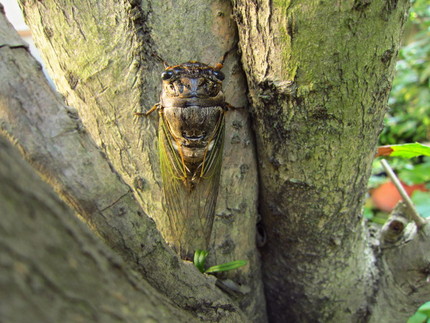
<point>191,137</point>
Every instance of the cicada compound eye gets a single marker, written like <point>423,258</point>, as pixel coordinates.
<point>167,75</point>
<point>219,75</point>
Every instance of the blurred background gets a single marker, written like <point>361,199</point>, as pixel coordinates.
<point>407,121</point>
<point>14,15</point>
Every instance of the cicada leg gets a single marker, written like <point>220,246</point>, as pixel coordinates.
<point>228,106</point>
<point>147,113</point>
<point>220,65</point>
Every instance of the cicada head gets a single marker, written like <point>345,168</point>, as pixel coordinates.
<point>192,82</point>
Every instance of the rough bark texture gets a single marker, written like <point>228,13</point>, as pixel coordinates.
<point>54,141</point>
<point>405,266</point>
<point>319,74</point>
<point>102,60</point>
<point>54,269</point>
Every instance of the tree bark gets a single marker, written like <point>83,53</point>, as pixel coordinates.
<point>405,266</point>
<point>54,269</point>
<point>319,74</point>
<point>51,137</point>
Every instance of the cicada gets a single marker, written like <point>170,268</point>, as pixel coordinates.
<point>191,112</point>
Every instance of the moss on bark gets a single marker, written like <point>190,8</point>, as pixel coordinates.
<point>319,74</point>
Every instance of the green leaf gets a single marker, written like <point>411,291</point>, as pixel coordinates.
<point>227,266</point>
<point>422,315</point>
<point>410,150</point>
<point>415,174</point>
<point>405,150</point>
<point>367,213</point>
<point>421,201</point>
<point>417,318</point>
<point>200,259</point>
<point>425,309</point>
<point>379,220</point>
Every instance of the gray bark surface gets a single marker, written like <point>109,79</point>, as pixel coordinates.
<point>404,264</point>
<point>53,269</point>
<point>104,61</point>
<point>51,137</point>
<point>111,72</point>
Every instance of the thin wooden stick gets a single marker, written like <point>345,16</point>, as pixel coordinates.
<point>419,221</point>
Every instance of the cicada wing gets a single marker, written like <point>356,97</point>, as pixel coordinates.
<point>190,209</point>
<point>172,165</point>
<point>206,191</point>
<point>211,165</point>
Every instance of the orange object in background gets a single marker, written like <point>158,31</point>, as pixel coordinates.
<point>385,197</point>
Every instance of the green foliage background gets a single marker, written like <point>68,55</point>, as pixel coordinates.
<point>408,118</point>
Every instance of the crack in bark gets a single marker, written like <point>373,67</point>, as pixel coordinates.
<point>116,202</point>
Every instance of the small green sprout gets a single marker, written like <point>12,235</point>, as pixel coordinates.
<point>200,260</point>
<point>422,315</point>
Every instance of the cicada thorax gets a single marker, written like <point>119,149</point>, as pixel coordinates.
<point>195,130</point>
<point>191,136</point>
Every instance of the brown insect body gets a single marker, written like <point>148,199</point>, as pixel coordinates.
<point>191,138</point>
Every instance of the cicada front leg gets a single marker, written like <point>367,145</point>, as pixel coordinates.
<point>147,113</point>
<point>228,106</point>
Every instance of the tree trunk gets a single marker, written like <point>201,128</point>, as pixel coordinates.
<point>317,76</point>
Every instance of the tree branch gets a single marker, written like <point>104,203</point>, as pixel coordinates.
<point>103,59</point>
<point>419,221</point>
<point>54,141</point>
<point>405,267</point>
<point>54,269</point>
